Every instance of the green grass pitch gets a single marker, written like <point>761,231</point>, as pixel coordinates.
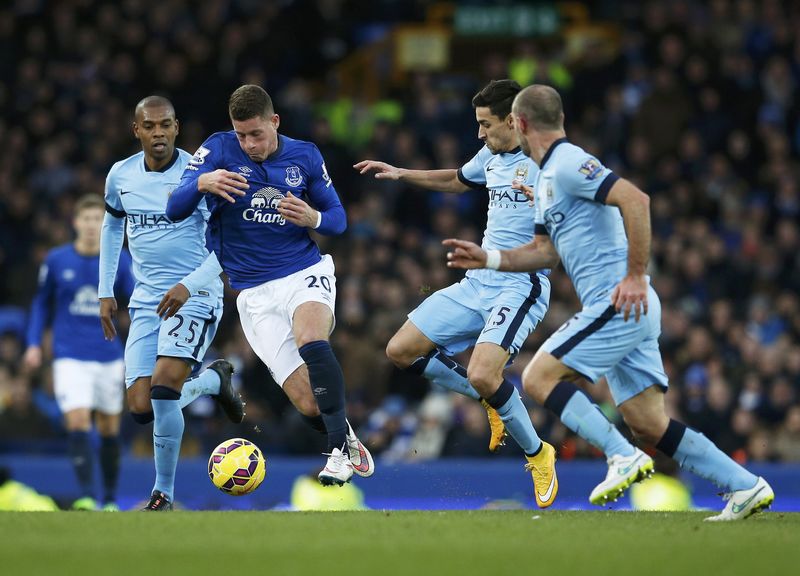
<point>490,543</point>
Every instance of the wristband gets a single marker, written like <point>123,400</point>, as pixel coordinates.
<point>493,259</point>
<point>319,220</point>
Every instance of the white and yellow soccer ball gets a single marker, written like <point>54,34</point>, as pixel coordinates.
<point>237,467</point>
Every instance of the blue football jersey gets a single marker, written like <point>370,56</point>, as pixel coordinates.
<point>253,242</point>
<point>588,235</point>
<point>67,300</point>
<point>510,219</point>
<point>163,251</point>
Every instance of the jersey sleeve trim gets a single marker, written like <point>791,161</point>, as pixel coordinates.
<point>114,212</point>
<point>466,181</point>
<point>605,187</point>
<point>540,229</point>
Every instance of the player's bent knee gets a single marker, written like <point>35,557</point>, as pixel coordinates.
<point>398,354</point>
<point>484,381</point>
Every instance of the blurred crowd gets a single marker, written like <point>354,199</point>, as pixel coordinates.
<point>699,107</point>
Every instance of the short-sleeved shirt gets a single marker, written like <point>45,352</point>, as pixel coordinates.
<point>588,235</point>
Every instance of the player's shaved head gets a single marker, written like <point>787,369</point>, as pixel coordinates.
<point>250,101</point>
<point>541,107</point>
<point>153,102</point>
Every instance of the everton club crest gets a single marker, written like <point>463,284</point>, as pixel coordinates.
<point>293,176</point>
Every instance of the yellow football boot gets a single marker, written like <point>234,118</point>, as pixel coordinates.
<point>543,469</point>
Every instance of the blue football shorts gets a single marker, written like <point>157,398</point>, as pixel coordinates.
<point>186,335</point>
<point>597,342</point>
<point>469,313</point>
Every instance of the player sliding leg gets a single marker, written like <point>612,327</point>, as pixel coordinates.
<point>409,349</point>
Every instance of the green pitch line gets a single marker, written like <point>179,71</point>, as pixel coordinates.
<point>376,543</point>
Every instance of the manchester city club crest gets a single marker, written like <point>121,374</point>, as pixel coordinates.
<point>521,173</point>
<point>293,176</point>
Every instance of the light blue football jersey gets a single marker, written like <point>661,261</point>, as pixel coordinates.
<point>510,220</point>
<point>589,236</point>
<point>163,251</point>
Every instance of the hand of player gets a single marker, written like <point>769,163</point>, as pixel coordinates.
<point>172,301</point>
<point>108,310</point>
<point>631,295</point>
<point>382,169</point>
<point>33,358</point>
<point>223,183</point>
<point>525,189</point>
<point>297,212</point>
<point>464,254</point>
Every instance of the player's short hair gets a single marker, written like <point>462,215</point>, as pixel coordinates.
<point>498,96</point>
<point>250,101</point>
<point>541,105</point>
<point>88,201</point>
<point>154,101</point>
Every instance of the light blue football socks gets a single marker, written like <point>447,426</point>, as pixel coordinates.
<point>167,435</point>
<point>207,382</point>
<point>699,455</point>
<point>582,416</point>
<point>437,368</point>
<point>515,416</point>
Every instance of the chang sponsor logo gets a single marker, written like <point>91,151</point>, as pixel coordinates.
<point>263,206</point>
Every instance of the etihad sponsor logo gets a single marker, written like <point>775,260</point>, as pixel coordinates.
<point>149,220</point>
<point>507,198</point>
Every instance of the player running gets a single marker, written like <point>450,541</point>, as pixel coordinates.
<point>172,269</point>
<point>598,225</point>
<point>493,311</point>
<point>258,185</point>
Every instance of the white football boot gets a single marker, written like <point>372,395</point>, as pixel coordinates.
<point>360,458</point>
<point>744,503</point>
<point>622,472</point>
<point>338,469</point>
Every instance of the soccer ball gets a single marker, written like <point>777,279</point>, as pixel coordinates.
<point>237,467</point>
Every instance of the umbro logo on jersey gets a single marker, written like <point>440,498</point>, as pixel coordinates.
<point>245,170</point>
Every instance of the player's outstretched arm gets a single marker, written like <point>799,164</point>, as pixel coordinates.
<point>439,180</point>
<point>630,295</point>
<point>536,255</point>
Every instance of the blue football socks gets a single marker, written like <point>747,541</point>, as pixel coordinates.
<point>327,383</point>
<point>80,454</point>
<point>109,465</point>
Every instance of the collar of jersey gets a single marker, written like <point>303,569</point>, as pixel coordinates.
<point>550,151</point>
<point>277,152</point>
<point>516,150</point>
<point>166,167</point>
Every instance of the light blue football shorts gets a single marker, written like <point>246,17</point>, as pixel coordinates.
<point>598,342</point>
<point>469,313</point>
<point>186,335</point>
